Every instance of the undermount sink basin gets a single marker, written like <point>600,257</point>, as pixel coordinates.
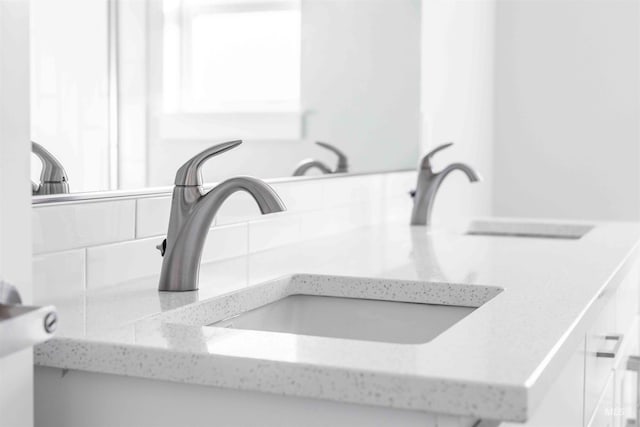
<point>351,318</point>
<point>528,229</point>
<point>383,310</point>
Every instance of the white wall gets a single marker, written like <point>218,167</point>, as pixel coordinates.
<point>457,99</point>
<point>567,109</point>
<point>16,370</point>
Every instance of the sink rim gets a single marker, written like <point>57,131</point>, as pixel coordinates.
<point>385,321</point>
<point>219,308</point>
<point>524,228</point>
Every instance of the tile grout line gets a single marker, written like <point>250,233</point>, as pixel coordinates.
<point>86,268</point>
<point>135,220</point>
<point>248,238</point>
<point>248,256</point>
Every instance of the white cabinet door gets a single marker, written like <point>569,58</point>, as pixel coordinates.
<point>626,388</point>
<point>603,413</point>
<point>16,370</point>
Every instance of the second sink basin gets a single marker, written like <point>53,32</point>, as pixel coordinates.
<point>542,230</point>
<point>351,318</point>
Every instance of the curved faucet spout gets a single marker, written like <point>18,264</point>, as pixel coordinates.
<point>191,217</point>
<point>305,165</point>
<point>266,198</point>
<point>428,184</point>
<point>471,174</point>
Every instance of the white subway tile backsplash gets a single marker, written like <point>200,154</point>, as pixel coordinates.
<point>315,224</point>
<point>398,209</point>
<point>58,275</point>
<point>362,215</point>
<point>301,196</point>
<point>221,277</point>
<point>124,261</point>
<point>97,244</point>
<point>226,241</point>
<point>399,184</point>
<point>239,207</point>
<point>273,231</point>
<point>319,224</point>
<point>152,216</point>
<point>121,262</point>
<point>70,226</point>
<point>339,192</point>
<point>354,189</point>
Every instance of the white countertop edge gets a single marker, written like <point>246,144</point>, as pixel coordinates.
<point>435,395</point>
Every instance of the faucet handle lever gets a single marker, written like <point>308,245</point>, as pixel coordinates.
<point>343,163</point>
<point>162,247</point>
<point>190,173</point>
<point>426,160</point>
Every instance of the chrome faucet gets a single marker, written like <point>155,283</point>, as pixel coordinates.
<point>305,165</point>
<point>193,210</point>
<point>53,178</point>
<point>428,184</point>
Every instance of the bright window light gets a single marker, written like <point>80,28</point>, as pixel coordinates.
<point>236,58</point>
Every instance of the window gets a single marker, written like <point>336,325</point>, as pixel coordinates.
<point>231,56</point>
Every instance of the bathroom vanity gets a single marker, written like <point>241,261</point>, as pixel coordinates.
<point>497,323</point>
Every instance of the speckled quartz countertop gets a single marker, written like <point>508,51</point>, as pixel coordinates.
<point>496,363</point>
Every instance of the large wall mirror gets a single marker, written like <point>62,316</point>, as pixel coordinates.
<point>124,91</point>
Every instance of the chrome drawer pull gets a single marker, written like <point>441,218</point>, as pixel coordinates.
<point>633,364</point>
<point>613,353</point>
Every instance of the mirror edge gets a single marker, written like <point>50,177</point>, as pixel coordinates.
<point>114,195</point>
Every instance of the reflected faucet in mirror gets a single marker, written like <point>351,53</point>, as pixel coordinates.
<point>429,182</point>
<point>53,178</point>
<point>305,165</point>
<point>193,210</point>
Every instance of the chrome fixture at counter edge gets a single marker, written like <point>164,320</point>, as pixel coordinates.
<point>429,182</point>
<point>22,326</point>
<point>305,165</point>
<point>193,210</point>
<point>53,178</point>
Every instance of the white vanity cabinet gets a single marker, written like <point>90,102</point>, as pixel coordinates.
<point>596,388</point>
<point>609,385</point>
<point>626,383</point>
<point>81,399</point>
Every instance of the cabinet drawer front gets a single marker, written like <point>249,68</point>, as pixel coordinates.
<point>598,367</point>
<point>626,380</point>
<point>603,413</point>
